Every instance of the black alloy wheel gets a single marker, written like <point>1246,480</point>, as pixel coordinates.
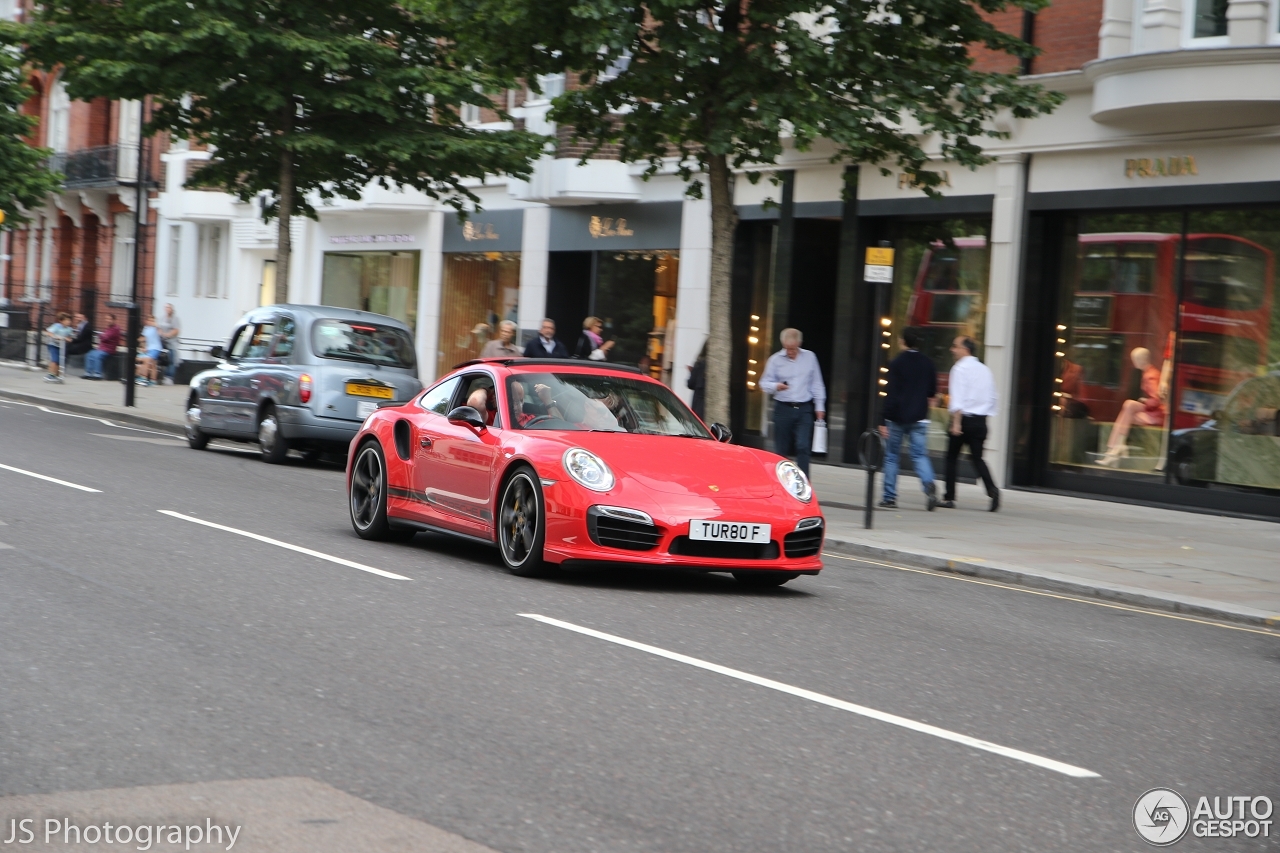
<point>274,446</point>
<point>763,580</point>
<point>367,494</point>
<point>521,525</point>
<point>197,439</point>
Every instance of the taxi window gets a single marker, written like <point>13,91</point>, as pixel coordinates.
<point>283,346</point>
<point>438,398</point>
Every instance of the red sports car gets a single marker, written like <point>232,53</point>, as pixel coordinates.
<point>578,462</point>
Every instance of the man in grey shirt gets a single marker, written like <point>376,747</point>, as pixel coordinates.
<point>170,328</point>
<point>793,377</point>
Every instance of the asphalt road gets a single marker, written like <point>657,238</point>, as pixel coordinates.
<point>140,648</point>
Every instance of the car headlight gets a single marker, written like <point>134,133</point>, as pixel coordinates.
<point>794,481</point>
<point>588,469</point>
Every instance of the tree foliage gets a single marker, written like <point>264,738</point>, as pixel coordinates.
<point>301,98</point>
<point>25,181</point>
<point>720,85</point>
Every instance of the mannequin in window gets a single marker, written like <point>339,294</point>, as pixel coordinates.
<point>1148,410</point>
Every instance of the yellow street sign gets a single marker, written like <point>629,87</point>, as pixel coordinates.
<point>1,217</point>
<point>880,257</point>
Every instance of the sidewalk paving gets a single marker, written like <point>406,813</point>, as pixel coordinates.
<point>1221,567</point>
<point>158,406</point>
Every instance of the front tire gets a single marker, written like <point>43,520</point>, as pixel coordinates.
<point>197,439</point>
<point>367,494</point>
<point>274,446</point>
<point>522,525</point>
<point>763,580</point>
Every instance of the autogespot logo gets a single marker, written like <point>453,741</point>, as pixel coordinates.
<point>1160,816</point>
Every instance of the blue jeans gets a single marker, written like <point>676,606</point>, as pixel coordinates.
<point>793,431</point>
<point>916,434</point>
<point>93,361</point>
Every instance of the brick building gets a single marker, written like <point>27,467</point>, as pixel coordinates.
<point>77,253</point>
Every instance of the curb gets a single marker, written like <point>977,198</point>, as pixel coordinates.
<point>1049,581</point>
<point>107,414</point>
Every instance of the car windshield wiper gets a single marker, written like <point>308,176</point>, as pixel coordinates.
<point>354,356</point>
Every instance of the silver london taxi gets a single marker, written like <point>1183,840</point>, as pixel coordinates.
<point>301,376</point>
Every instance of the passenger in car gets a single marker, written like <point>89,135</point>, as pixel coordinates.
<point>483,402</point>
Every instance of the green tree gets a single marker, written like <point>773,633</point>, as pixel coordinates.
<point>301,98</point>
<point>718,85</point>
<point>25,181</point>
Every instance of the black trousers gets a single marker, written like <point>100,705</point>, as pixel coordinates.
<point>973,433</point>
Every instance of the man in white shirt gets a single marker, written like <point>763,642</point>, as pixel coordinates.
<point>793,377</point>
<point>972,399</point>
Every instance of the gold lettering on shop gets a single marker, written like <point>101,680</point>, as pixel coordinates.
<point>908,181</point>
<point>1160,167</point>
<point>607,226</point>
<point>478,231</point>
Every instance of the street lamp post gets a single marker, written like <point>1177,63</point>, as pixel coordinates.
<point>139,219</point>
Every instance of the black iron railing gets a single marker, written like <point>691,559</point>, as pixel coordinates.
<point>104,166</point>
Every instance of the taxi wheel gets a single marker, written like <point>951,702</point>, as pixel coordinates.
<point>274,446</point>
<point>522,525</point>
<point>367,494</point>
<point>196,438</point>
<point>763,580</point>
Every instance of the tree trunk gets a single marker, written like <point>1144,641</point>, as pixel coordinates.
<point>284,239</point>
<point>724,218</point>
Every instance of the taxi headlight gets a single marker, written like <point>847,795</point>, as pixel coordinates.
<point>794,481</point>
<point>588,470</point>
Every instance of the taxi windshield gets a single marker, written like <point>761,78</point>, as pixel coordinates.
<point>598,402</point>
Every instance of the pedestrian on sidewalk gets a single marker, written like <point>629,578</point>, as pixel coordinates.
<point>82,341</point>
<point>55,336</point>
<point>170,328</point>
<point>152,349</point>
<point>794,378</point>
<point>108,341</point>
<point>912,383</point>
<point>591,343</point>
<point>503,346</point>
<point>972,399</point>
<point>546,345</point>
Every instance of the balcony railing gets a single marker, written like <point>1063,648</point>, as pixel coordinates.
<point>104,166</point>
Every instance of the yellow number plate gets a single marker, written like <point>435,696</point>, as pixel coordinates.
<point>355,389</point>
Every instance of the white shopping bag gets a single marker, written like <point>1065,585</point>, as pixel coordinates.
<point>819,437</point>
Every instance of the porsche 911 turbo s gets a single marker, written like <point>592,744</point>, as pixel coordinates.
<point>573,462</point>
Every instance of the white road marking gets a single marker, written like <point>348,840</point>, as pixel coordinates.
<point>163,442</point>
<point>861,710</point>
<point>50,479</point>
<point>280,544</point>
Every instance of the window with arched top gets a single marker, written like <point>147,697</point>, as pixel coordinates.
<point>59,118</point>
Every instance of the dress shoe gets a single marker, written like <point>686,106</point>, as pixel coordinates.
<point>947,504</point>
<point>995,502</point>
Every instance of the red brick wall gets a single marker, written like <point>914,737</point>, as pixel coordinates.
<point>1066,33</point>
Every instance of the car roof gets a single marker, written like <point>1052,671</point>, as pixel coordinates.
<point>519,364</point>
<point>324,312</point>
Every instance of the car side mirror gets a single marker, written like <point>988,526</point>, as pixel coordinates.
<point>216,352</point>
<point>721,432</point>
<point>467,415</point>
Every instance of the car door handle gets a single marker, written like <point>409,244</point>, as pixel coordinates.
<point>253,383</point>
<point>425,442</point>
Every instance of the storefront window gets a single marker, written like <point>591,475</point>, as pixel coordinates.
<point>1167,356</point>
<point>635,297</point>
<point>941,273</point>
<point>479,291</point>
<point>381,282</point>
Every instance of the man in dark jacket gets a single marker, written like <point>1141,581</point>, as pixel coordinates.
<point>546,345</point>
<point>83,341</point>
<point>913,381</point>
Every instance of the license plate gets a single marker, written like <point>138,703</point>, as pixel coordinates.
<point>363,410</point>
<point>729,531</point>
<point>382,392</point>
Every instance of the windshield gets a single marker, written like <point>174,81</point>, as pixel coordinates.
<point>358,341</point>
<point>589,401</point>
